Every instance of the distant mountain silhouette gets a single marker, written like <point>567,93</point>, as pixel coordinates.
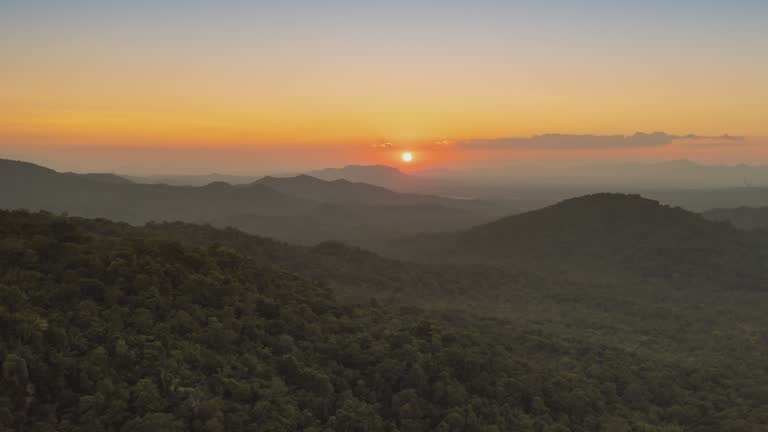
<point>380,175</point>
<point>193,180</point>
<point>298,209</point>
<point>30,186</point>
<point>103,177</point>
<point>669,174</point>
<point>605,233</point>
<point>345,191</point>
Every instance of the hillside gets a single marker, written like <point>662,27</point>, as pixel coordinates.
<point>28,186</point>
<point>608,233</point>
<point>112,332</point>
<point>299,209</point>
<point>107,327</point>
<point>356,273</point>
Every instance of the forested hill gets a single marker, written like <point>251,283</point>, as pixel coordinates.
<point>104,330</point>
<point>297,209</point>
<point>609,233</point>
<point>354,272</point>
<point>28,186</point>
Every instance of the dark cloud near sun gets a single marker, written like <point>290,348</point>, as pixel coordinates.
<point>564,141</point>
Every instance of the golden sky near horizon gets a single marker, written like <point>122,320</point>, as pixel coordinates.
<point>109,74</point>
<point>158,101</point>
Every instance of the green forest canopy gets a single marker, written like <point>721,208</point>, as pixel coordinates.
<point>110,327</point>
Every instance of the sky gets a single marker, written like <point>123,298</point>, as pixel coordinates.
<point>243,85</point>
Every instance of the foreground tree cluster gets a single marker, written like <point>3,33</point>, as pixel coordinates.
<point>107,327</point>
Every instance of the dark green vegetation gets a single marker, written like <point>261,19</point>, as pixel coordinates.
<point>180,327</point>
<point>277,207</point>
<point>609,234</point>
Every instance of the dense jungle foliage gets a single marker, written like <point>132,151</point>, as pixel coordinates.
<point>107,327</point>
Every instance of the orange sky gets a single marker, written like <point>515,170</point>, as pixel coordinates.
<point>277,159</point>
<point>69,100</point>
<point>313,82</point>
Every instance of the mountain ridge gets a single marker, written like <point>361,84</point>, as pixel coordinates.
<point>304,209</point>
<point>604,231</point>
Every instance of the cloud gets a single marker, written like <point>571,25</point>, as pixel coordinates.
<point>383,145</point>
<point>562,141</point>
<point>434,145</point>
<point>727,137</point>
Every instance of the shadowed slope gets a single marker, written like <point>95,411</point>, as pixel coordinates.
<point>607,233</point>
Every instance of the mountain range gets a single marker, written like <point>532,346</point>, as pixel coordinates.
<point>300,209</point>
<point>622,233</point>
<point>487,325</point>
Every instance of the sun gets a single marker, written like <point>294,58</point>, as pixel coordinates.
<point>407,157</point>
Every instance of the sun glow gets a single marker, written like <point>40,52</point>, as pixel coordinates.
<point>407,157</point>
